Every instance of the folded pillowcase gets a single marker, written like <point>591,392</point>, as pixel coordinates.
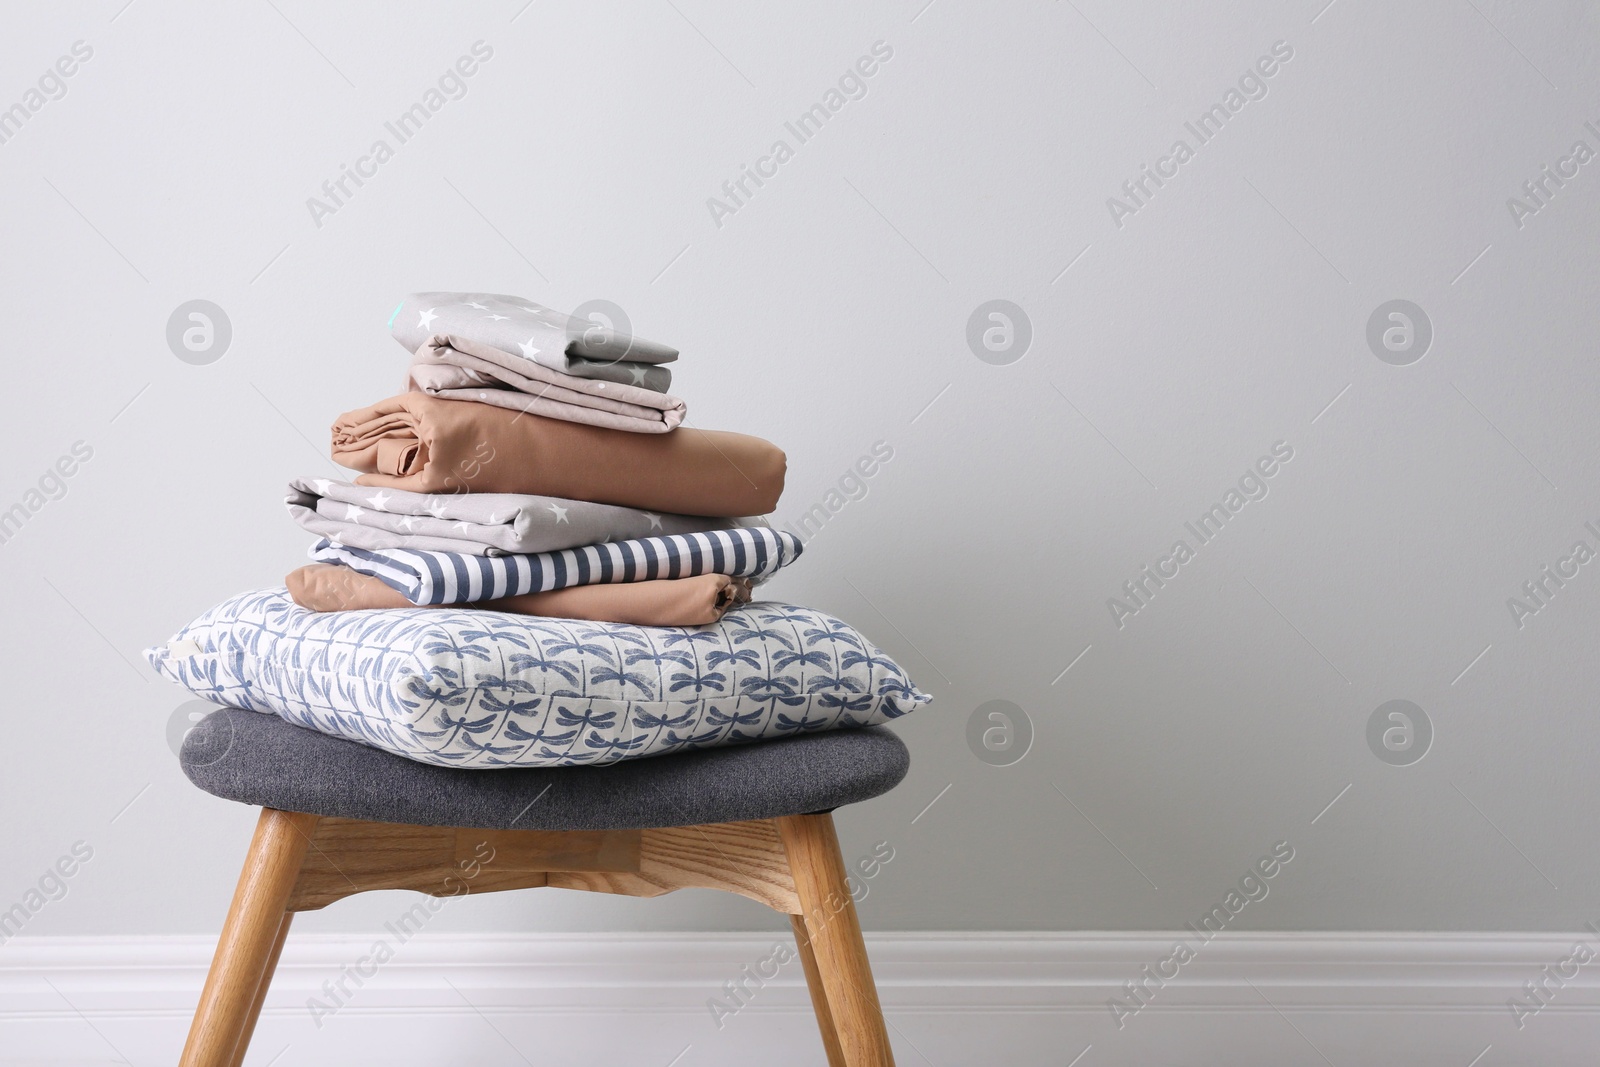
<point>427,445</point>
<point>480,524</point>
<point>697,601</point>
<point>453,578</point>
<point>480,689</point>
<point>532,332</point>
<point>458,368</point>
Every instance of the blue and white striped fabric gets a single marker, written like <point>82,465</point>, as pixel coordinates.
<point>454,578</point>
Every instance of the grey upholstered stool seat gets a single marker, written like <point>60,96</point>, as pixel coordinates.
<point>262,760</point>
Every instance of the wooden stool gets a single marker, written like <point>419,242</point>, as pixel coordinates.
<point>340,818</point>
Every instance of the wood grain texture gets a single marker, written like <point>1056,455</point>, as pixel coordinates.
<point>835,936</point>
<point>740,857</point>
<point>249,937</point>
<point>552,850</point>
<point>352,856</point>
<point>243,1044</point>
<point>819,995</point>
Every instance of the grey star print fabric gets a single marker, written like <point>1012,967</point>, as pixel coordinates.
<point>458,368</point>
<point>533,332</point>
<point>478,524</point>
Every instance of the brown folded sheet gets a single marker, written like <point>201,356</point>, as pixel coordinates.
<point>697,601</point>
<point>424,444</point>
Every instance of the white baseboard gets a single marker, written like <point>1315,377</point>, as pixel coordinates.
<point>951,998</point>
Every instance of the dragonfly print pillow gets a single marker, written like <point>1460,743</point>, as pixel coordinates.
<point>482,689</point>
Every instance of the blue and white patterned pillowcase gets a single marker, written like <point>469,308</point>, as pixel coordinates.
<point>481,689</point>
<point>433,577</point>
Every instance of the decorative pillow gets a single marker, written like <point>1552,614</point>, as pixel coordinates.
<point>468,688</point>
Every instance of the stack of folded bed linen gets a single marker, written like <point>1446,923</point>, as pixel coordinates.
<point>536,565</point>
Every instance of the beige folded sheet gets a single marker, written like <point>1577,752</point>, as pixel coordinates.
<point>424,444</point>
<point>697,601</point>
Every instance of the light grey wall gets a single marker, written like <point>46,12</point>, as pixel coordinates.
<point>828,312</point>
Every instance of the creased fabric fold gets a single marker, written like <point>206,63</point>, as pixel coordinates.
<point>459,368</point>
<point>699,600</point>
<point>431,578</point>
<point>425,444</point>
<point>583,348</point>
<point>481,524</point>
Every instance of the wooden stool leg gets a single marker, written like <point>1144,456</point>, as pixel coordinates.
<point>243,1044</point>
<point>835,939</point>
<point>249,938</point>
<point>819,995</point>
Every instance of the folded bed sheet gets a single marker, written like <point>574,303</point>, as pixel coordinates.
<point>696,601</point>
<point>431,578</point>
<point>424,444</point>
<point>479,524</point>
<point>535,333</point>
<point>458,368</point>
